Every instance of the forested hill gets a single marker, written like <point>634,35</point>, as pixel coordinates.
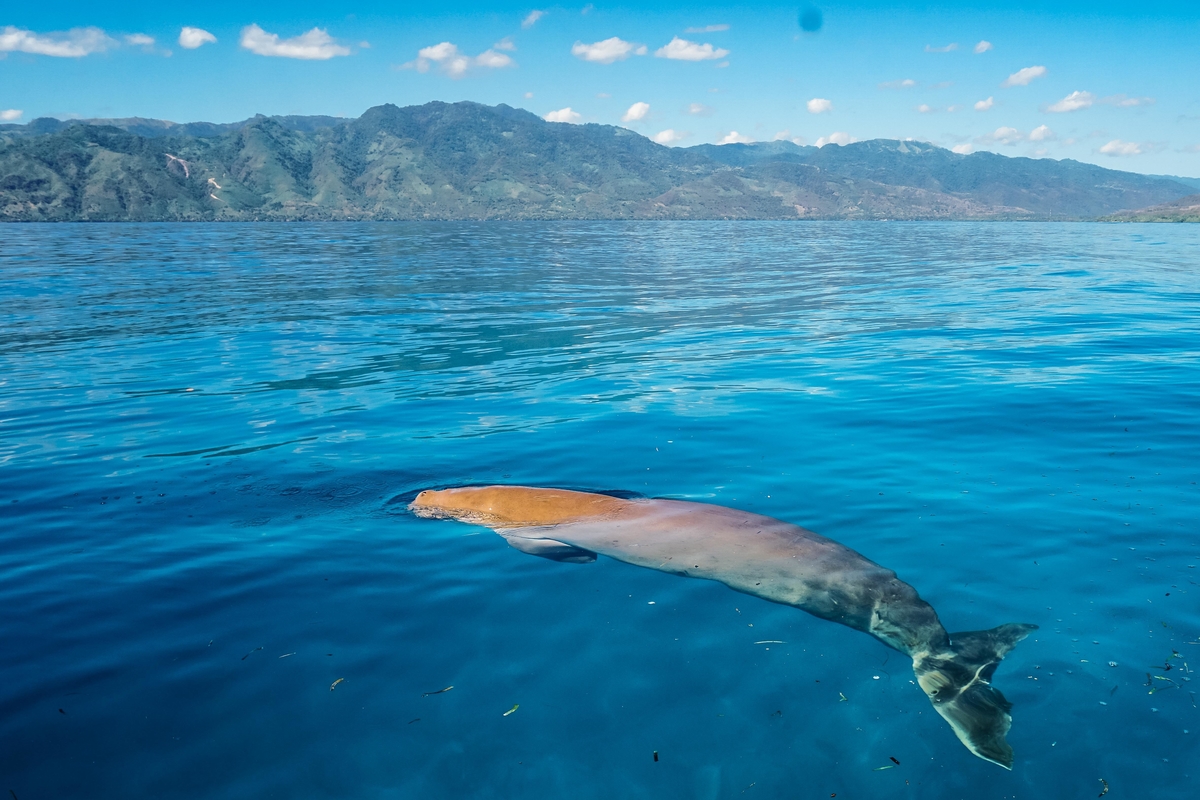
<point>470,161</point>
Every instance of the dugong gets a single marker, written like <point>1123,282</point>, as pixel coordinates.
<point>765,557</point>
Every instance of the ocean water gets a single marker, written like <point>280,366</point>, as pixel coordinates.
<point>208,435</point>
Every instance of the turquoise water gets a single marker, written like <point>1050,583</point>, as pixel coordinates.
<point>208,435</point>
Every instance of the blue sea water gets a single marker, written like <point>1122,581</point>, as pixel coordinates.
<point>208,435</point>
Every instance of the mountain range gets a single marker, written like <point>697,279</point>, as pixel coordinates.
<point>471,161</point>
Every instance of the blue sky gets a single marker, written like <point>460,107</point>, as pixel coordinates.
<point>1110,83</point>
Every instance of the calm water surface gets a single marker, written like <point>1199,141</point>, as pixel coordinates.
<point>208,435</point>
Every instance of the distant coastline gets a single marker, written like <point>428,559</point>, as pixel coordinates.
<point>466,161</point>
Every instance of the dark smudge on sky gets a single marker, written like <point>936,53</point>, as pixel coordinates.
<point>811,19</point>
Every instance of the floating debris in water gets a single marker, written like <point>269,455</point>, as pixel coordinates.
<point>844,698</point>
<point>411,721</point>
<point>62,712</point>
<point>511,710</point>
<point>894,761</point>
<point>655,756</point>
<point>439,691</point>
<point>1105,791</point>
<point>333,685</point>
<point>255,650</point>
<point>770,641</point>
<point>285,655</point>
<point>885,766</point>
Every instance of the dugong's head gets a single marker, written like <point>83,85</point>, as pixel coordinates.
<point>514,506</point>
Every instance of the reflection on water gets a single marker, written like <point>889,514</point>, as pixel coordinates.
<point>202,428</point>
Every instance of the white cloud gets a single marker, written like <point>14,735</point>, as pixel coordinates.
<point>838,137</point>
<point>10,114</point>
<point>1042,133</point>
<point>529,95</point>
<point>603,95</point>
<point>1124,101</point>
<point>707,29</point>
<point>505,44</point>
<point>316,45</point>
<point>139,40</point>
<point>1119,148</point>
<point>637,111</point>
<point>75,43</point>
<point>786,136</point>
<point>683,50</point>
<point>952,109</point>
<point>924,109</point>
<point>907,83</point>
<point>1073,102</point>
<point>670,136</point>
<point>532,19</point>
<point>563,115</point>
<point>1005,135</point>
<point>984,105</point>
<point>983,46</point>
<point>947,49</point>
<point>607,51</point>
<point>733,137</point>
<point>819,105</point>
<point>699,110</point>
<point>963,149</point>
<point>1023,77</point>
<point>454,63</point>
<point>191,38</point>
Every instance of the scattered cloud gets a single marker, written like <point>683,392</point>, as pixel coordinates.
<point>191,38</point>
<point>316,45</point>
<point>139,40</point>
<point>505,44</point>
<point>607,51</point>
<point>707,29</point>
<point>733,137</point>
<point>952,109</point>
<point>563,115</point>
<point>636,112</point>
<point>1073,102</point>
<point>1004,135</point>
<point>452,62</point>
<point>1117,148</point>
<point>985,105</point>
<point>983,46</point>
<point>603,95</point>
<point>786,136</point>
<point>10,114</point>
<point>1042,133</point>
<point>529,95</point>
<point>963,149</point>
<point>670,136</point>
<point>924,109</point>
<point>907,83</point>
<point>699,110</point>
<point>838,137</point>
<point>683,50</point>
<point>1023,77</point>
<point>947,49</point>
<point>75,43</point>
<point>1124,101</point>
<point>532,19</point>
<point>819,105</point>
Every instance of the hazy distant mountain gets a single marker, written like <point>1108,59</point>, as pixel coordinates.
<point>1185,209</point>
<point>469,161</point>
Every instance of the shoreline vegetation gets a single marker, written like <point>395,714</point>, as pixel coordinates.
<point>466,161</point>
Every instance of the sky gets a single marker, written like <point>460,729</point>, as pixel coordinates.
<point>1109,83</point>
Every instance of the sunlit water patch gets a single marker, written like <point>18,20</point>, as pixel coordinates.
<point>207,435</point>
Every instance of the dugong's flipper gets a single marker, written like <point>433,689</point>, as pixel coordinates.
<point>551,549</point>
<point>957,683</point>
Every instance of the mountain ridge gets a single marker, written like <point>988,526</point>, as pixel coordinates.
<point>471,161</point>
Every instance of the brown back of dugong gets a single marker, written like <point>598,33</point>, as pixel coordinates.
<point>516,506</point>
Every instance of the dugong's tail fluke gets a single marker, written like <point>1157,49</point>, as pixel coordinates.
<point>958,685</point>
